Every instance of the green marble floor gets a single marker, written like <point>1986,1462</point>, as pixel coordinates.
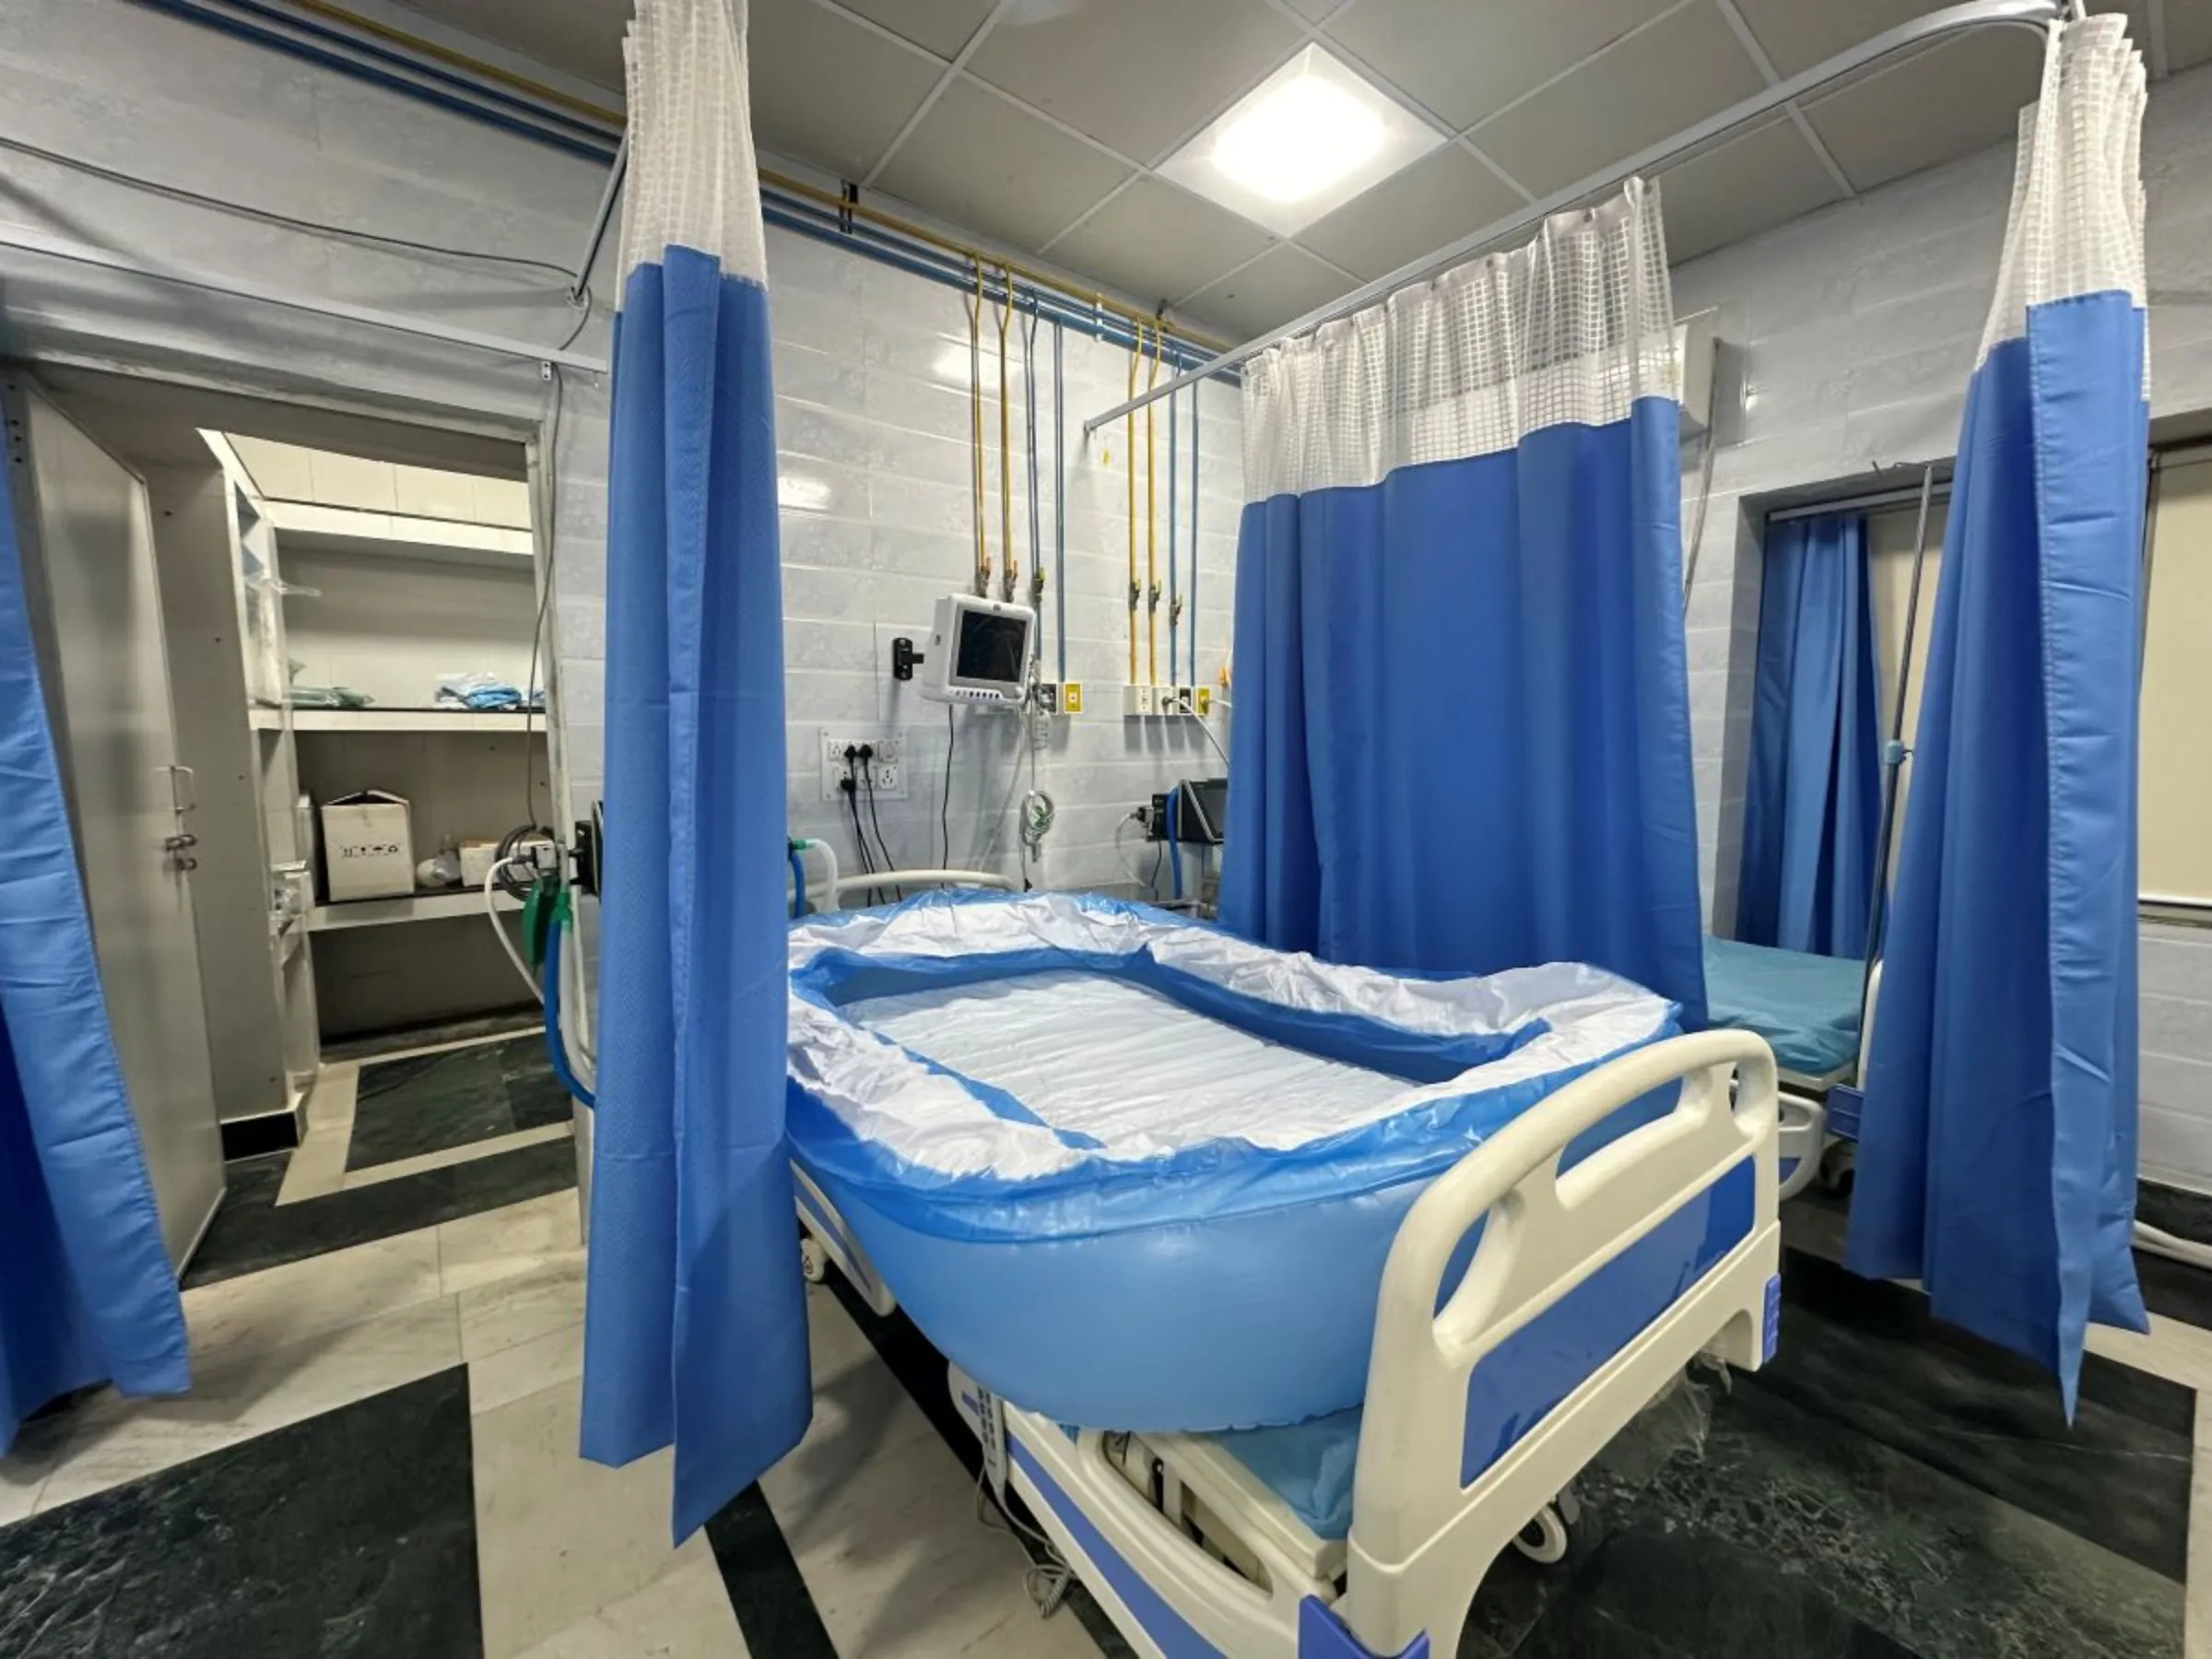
<point>1888,1488</point>
<point>423,1103</point>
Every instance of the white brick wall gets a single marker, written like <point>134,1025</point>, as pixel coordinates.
<point>873,421</point>
<point>864,406</point>
<point>1861,324</point>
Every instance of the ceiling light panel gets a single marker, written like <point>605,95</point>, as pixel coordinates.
<point>1300,144</point>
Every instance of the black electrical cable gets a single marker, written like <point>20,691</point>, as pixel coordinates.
<point>852,794</point>
<point>510,847</point>
<point>531,694</point>
<point>868,775</point>
<point>269,215</point>
<point>952,737</point>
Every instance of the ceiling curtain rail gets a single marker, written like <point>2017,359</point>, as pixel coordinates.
<point>1956,19</point>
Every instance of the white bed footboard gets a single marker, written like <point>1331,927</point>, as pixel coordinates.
<point>1587,1295</point>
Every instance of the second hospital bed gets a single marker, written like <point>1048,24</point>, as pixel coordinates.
<point>1807,1009</point>
<point>1134,1175</point>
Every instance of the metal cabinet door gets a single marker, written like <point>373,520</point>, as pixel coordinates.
<point>95,607</point>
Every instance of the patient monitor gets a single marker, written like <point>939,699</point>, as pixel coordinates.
<point>979,650</point>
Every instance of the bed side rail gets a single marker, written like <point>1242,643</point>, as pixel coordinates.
<point>1658,1246</point>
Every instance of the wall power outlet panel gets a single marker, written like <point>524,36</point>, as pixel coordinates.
<point>885,767</point>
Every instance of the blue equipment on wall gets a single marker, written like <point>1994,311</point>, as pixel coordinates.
<point>87,1292</point>
<point>1462,729</point>
<point>695,1323</point>
<point>1813,811</point>
<point>1996,1158</point>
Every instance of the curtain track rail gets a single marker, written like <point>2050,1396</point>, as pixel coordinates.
<point>1956,19</point>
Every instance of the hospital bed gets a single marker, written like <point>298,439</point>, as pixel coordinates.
<point>1529,1297</point>
<point>1807,1009</point>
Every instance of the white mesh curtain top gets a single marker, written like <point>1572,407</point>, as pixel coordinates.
<point>1572,327</point>
<point>2076,222</point>
<point>693,182</point>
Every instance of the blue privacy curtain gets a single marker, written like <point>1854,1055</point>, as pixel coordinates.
<point>1998,1162</point>
<point>85,1290</point>
<point>1814,806</point>
<point>695,1327</point>
<point>1462,730</point>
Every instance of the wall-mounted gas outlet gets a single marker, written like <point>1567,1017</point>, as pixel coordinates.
<point>882,768</point>
<point>1173,703</point>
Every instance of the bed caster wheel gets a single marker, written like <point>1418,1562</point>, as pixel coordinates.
<point>1543,1539</point>
<point>814,1266</point>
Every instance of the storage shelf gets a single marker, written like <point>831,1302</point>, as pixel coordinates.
<point>306,528</point>
<point>417,720</point>
<point>418,907</point>
<point>264,719</point>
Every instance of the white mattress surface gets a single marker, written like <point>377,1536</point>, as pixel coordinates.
<point>1137,1071</point>
<point>1115,1061</point>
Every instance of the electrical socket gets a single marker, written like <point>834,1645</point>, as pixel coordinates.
<point>886,765</point>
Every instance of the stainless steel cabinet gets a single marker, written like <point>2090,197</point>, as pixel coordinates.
<point>87,546</point>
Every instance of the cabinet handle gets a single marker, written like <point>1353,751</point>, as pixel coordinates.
<point>190,799</point>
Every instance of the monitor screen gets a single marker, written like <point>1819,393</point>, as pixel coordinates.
<point>1205,814</point>
<point>991,648</point>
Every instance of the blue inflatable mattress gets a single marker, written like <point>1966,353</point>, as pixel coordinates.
<point>1132,1171</point>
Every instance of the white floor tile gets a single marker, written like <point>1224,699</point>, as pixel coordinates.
<point>527,1368</point>
<point>22,1472</point>
<point>318,1166</point>
<point>247,1391</point>
<point>446,1157</point>
<point>685,1614</point>
<point>513,1239</point>
<point>881,1518</point>
<point>2197,1605</point>
<point>301,1300</point>
<point>559,1539</point>
<point>521,1308</point>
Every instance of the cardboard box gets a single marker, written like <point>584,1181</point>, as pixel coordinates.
<point>368,850</point>
<point>477,858</point>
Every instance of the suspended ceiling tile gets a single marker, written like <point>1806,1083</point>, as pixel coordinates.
<point>939,26</point>
<point>827,91</point>
<point>1797,34</point>
<point>1284,283</point>
<point>979,161</point>
<point>1946,102</point>
<point>1654,84</point>
<point>1468,59</point>
<point>1155,242</point>
<point>1437,200</point>
<point>1765,178</point>
<point>1137,74</point>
